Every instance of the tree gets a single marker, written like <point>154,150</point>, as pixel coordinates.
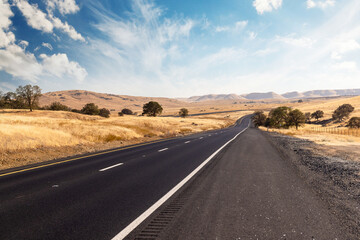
<point>183,112</point>
<point>76,110</point>
<point>127,111</point>
<point>57,106</point>
<point>152,109</point>
<point>90,109</point>
<point>120,114</point>
<point>354,122</point>
<point>259,118</point>
<point>29,94</point>
<point>104,113</point>
<point>307,117</point>
<point>317,114</point>
<point>279,117</point>
<point>296,118</point>
<point>342,112</point>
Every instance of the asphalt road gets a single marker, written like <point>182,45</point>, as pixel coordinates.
<point>246,191</point>
<point>98,196</point>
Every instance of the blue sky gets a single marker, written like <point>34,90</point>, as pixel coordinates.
<point>174,48</point>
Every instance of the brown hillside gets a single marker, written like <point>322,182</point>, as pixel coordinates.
<point>78,98</point>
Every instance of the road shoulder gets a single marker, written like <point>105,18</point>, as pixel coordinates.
<point>335,178</point>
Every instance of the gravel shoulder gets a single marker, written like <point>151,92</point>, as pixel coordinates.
<point>333,172</point>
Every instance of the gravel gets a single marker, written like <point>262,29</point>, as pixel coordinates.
<point>333,174</point>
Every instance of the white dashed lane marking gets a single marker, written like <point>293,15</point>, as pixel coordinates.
<point>116,165</point>
<point>164,149</point>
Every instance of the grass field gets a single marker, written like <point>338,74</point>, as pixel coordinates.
<point>329,106</point>
<point>28,137</point>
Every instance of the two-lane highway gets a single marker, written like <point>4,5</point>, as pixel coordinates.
<point>100,196</point>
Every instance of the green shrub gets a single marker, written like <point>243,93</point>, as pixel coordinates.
<point>127,111</point>
<point>152,109</point>
<point>90,109</point>
<point>183,112</point>
<point>259,118</point>
<point>354,122</point>
<point>317,114</point>
<point>57,106</point>
<point>342,112</point>
<point>279,117</point>
<point>296,118</point>
<point>104,113</point>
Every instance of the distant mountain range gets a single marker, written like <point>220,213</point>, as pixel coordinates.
<point>273,95</point>
<point>78,98</point>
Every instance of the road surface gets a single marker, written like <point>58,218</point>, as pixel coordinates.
<point>214,185</point>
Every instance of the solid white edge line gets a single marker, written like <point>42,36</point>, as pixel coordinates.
<point>104,169</point>
<point>121,235</point>
<point>164,149</point>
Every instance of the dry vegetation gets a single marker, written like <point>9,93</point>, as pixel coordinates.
<point>334,135</point>
<point>28,137</point>
<point>329,106</point>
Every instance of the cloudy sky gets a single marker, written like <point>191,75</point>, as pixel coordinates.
<point>175,48</point>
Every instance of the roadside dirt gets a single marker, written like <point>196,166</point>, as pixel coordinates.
<point>333,172</point>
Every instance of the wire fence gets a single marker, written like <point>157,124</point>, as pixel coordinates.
<point>335,130</point>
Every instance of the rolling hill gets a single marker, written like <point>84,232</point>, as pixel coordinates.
<point>78,98</point>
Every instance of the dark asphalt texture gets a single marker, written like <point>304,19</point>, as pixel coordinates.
<point>74,200</point>
<point>247,192</point>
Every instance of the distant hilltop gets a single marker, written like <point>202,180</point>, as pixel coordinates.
<point>273,95</point>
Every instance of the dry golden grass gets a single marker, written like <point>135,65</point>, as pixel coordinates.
<point>325,136</point>
<point>32,136</point>
<point>329,106</point>
<point>337,143</point>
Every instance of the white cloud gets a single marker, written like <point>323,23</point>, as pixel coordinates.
<point>320,4</point>
<point>298,42</point>
<point>34,16</point>
<point>238,26</point>
<point>341,46</point>
<point>262,6</point>
<point>6,38</point>
<point>64,6</point>
<point>66,28</point>
<point>47,45</point>
<point>241,24</point>
<point>252,35</point>
<point>143,39</point>
<point>5,14</point>
<point>24,44</point>
<point>346,65</point>
<point>60,66</point>
<point>39,20</point>
<point>15,61</point>
<point>264,52</point>
<point>222,29</point>
<point>13,58</point>
<point>224,55</point>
